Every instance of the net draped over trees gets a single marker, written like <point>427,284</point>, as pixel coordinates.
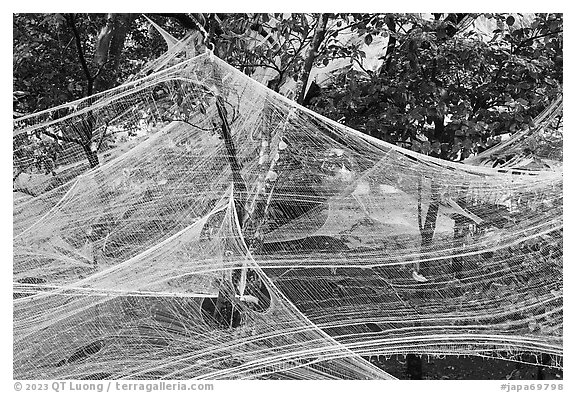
<point>249,237</point>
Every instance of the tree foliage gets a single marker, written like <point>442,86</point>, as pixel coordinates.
<point>60,58</point>
<point>441,87</point>
<point>449,95</point>
<point>48,69</point>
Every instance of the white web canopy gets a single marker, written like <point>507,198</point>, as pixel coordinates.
<point>249,237</point>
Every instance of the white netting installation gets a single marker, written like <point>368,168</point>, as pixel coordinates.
<point>248,237</point>
<point>533,148</point>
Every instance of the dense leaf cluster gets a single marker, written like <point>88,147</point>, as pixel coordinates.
<point>449,92</point>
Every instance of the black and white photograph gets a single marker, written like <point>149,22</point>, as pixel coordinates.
<point>287,196</point>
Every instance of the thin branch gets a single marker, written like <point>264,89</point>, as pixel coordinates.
<point>404,29</point>
<point>67,45</point>
<point>303,44</point>
<point>102,138</point>
<point>100,69</point>
<point>24,191</point>
<point>431,216</point>
<point>240,188</point>
<point>282,48</point>
<point>272,65</point>
<point>314,24</point>
<point>18,173</point>
<point>391,46</point>
<point>185,20</point>
<point>420,205</point>
<point>560,119</point>
<point>526,41</point>
<point>359,62</point>
<point>190,124</point>
<point>366,20</point>
<point>297,37</point>
<point>89,78</point>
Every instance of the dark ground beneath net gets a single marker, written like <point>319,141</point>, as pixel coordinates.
<point>454,367</point>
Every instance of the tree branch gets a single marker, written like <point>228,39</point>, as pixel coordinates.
<point>272,65</point>
<point>428,228</point>
<point>188,123</point>
<point>24,191</point>
<point>240,188</point>
<point>319,34</point>
<point>365,20</point>
<point>185,20</point>
<point>528,40</point>
<point>359,62</point>
<point>89,78</point>
<point>295,56</point>
<point>100,69</point>
<point>391,24</point>
<point>420,204</point>
<point>102,138</point>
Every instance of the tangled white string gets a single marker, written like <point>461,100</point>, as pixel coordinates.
<point>292,248</point>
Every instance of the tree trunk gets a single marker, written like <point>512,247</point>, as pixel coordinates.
<point>108,48</point>
<point>257,208</point>
<point>541,371</point>
<point>319,34</point>
<point>102,44</point>
<point>460,230</point>
<point>414,362</point>
<point>240,189</point>
<point>439,127</point>
<point>427,230</point>
<point>452,21</point>
<point>121,28</point>
<point>391,23</point>
<point>91,155</point>
<point>414,366</point>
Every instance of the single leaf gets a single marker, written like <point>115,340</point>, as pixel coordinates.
<point>368,39</point>
<point>510,20</point>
